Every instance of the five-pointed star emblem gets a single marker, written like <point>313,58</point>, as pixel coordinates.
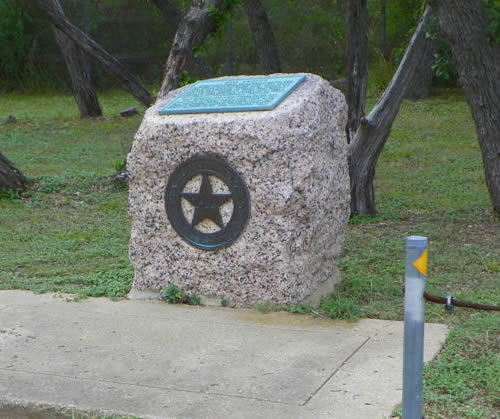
<point>206,203</point>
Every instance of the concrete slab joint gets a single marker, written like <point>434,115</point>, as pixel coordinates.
<point>293,160</point>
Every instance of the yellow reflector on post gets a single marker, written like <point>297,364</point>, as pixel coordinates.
<point>421,263</point>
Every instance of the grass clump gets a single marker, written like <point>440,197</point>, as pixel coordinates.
<point>195,300</point>
<point>173,294</point>
<point>113,282</point>
<point>176,295</point>
<point>340,308</point>
<point>263,308</point>
<point>9,195</point>
<point>300,308</point>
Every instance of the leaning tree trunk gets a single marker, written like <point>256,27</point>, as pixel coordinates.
<point>10,177</point>
<point>196,66</point>
<point>192,31</point>
<point>420,86</point>
<point>374,130</point>
<point>263,37</point>
<point>111,64</point>
<point>464,23</point>
<point>357,64</point>
<point>76,63</point>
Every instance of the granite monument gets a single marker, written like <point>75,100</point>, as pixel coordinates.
<point>239,191</point>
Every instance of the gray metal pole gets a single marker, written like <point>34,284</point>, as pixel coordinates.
<point>413,356</point>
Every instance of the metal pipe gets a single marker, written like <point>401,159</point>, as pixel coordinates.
<point>413,356</point>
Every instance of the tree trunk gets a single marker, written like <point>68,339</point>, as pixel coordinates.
<point>196,66</point>
<point>263,37</point>
<point>357,64</point>
<point>76,62</point>
<point>373,132</point>
<point>10,177</point>
<point>464,23</point>
<point>86,29</point>
<point>111,64</point>
<point>420,85</point>
<point>192,31</point>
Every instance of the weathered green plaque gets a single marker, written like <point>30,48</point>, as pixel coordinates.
<point>239,94</point>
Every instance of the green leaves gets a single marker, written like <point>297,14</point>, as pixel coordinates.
<point>175,295</point>
<point>9,195</point>
<point>492,10</point>
<point>186,78</point>
<point>444,66</point>
<point>222,16</point>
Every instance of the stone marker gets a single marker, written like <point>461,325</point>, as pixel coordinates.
<point>249,207</point>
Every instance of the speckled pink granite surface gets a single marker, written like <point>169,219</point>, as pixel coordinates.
<point>294,162</point>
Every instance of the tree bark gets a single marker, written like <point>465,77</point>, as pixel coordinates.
<point>374,130</point>
<point>464,24</point>
<point>420,85</point>
<point>111,64</point>
<point>357,64</point>
<point>263,36</point>
<point>76,63</point>
<point>10,177</point>
<point>196,66</point>
<point>192,31</point>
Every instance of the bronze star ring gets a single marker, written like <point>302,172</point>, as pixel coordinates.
<point>207,202</point>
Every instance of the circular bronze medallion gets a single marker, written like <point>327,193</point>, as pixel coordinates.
<point>207,202</point>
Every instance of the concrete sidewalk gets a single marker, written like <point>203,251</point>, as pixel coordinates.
<point>155,360</point>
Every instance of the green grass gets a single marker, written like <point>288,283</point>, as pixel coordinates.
<point>70,232</point>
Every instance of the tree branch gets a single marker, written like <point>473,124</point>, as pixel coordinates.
<point>192,31</point>
<point>386,109</point>
<point>263,36</point>
<point>374,130</point>
<point>111,64</point>
<point>79,71</point>
<point>357,64</point>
